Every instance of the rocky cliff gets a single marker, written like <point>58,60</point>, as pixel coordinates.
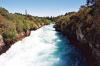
<point>83,30</point>
<point>1,43</point>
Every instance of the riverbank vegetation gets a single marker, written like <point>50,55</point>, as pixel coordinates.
<point>82,28</point>
<point>14,27</point>
<point>13,24</point>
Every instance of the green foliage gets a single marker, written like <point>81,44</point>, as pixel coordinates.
<point>70,22</point>
<point>9,32</point>
<point>3,11</point>
<point>13,24</point>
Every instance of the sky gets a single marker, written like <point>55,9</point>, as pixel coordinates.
<point>42,7</point>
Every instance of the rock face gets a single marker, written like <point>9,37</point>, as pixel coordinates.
<point>96,46</point>
<point>88,43</point>
<point>1,42</point>
<point>6,44</point>
<point>84,32</point>
<point>84,43</point>
<point>2,45</point>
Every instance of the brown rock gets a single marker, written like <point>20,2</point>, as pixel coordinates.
<point>1,42</point>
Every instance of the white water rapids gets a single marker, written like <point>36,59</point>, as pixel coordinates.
<point>44,47</point>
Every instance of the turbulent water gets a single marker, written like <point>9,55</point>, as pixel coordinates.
<point>44,47</point>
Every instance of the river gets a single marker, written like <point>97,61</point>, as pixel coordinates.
<point>44,47</point>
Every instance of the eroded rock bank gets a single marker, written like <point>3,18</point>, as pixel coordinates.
<point>82,28</point>
<point>6,44</point>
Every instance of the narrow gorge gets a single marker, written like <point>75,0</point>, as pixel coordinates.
<point>39,36</point>
<point>44,47</point>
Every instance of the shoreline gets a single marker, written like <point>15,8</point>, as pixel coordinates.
<point>5,45</point>
<point>82,45</point>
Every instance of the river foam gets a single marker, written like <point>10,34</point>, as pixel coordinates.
<point>44,47</point>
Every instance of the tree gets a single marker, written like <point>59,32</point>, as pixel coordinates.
<point>89,2</point>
